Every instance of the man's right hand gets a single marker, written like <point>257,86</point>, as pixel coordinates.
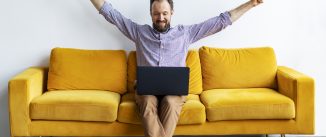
<point>98,4</point>
<point>239,11</point>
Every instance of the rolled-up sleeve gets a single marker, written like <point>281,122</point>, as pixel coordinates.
<point>125,25</point>
<point>208,27</point>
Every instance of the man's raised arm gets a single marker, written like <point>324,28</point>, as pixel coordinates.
<point>98,4</point>
<point>239,11</point>
<point>125,25</point>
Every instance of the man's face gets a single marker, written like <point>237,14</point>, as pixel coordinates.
<point>161,15</point>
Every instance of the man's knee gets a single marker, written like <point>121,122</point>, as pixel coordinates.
<point>174,100</point>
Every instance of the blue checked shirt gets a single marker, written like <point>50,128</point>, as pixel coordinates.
<point>169,48</point>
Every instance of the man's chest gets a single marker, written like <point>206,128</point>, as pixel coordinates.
<point>165,43</point>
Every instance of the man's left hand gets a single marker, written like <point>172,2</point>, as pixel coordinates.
<point>256,2</point>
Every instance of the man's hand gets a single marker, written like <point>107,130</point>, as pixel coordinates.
<point>256,2</point>
<point>98,3</point>
<point>239,11</point>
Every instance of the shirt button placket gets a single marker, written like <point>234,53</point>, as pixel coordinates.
<point>160,52</point>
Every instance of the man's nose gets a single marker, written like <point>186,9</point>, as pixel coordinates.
<point>161,18</point>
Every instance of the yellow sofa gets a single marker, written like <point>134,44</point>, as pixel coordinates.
<point>231,91</point>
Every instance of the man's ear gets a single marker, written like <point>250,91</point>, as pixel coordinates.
<point>172,12</point>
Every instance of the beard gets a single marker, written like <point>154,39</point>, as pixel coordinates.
<point>158,28</point>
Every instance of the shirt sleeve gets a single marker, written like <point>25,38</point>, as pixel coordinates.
<point>208,27</point>
<point>125,25</point>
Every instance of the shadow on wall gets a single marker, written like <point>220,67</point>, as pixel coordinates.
<point>4,113</point>
<point>44,62</point>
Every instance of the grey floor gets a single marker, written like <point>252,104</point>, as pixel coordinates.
<point>274,135</point>
<point>228,136</point>
<point>271,135</point>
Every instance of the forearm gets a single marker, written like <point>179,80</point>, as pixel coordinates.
<point>239,11</point>
<point>125,25</point>
<point>98,4</point>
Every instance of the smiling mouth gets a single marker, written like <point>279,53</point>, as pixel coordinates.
<point>162,24</point>
<point>160,21</point>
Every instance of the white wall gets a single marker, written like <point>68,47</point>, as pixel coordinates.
<point>296,29</point>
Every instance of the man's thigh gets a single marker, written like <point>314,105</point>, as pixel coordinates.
<point>141,99</point>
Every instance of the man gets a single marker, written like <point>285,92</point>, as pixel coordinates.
<point>163,45</point>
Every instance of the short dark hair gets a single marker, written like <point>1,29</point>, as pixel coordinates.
<point>169,1</point>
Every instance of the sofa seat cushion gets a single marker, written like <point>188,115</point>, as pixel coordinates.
<point>251,103</point>
<point>78,105</point>
<point>193,111</point>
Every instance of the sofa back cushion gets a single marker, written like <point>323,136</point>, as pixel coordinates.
<point>192,61</point>
<point>76,69</point>
<point>238,68</point>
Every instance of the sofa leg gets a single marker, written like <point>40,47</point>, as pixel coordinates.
<point>266,135</point>
<point>282,135</point>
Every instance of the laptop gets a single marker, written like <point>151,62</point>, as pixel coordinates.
<point>162,80</point>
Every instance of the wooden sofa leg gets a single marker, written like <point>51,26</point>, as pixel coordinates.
<point>282,135</point>
<point>266,135</point>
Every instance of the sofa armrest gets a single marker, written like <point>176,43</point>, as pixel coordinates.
<point>300,88</point>
<point>22,89</point>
